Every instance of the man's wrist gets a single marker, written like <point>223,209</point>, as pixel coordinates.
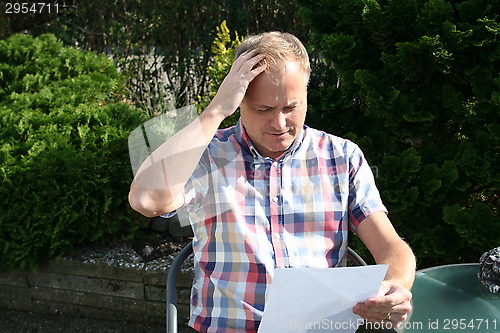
<point>405,282</point>
<point>215,112</point>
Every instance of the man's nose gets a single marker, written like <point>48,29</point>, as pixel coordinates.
<point>278,120</point>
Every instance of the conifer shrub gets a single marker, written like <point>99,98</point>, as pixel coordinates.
<point>64,165</point>
<point>416,84</point>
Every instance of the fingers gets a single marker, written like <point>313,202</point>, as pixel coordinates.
<point>391,309</point>
<point>247,62</point>
<point>245,56</point>
<point>257,69</point>
<point>397,313</point>
<point>394,297</point>
<point>240,61</point>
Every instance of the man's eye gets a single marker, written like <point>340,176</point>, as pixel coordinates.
<point>263,110</point>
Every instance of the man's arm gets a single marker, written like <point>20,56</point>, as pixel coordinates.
<point>379,236</point>
<point>158,185</point>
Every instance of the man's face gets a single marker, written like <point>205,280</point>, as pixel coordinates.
<point>274,108</point>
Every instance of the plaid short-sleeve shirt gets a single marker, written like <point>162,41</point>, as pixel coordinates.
<point>251,214</point>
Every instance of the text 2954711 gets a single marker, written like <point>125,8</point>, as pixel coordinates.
<point>31,8</point>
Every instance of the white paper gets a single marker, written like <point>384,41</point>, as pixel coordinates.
<point>309,300</point>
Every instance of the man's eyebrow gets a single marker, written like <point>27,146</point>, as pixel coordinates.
<point>291,104</point>
<point>294,103</point>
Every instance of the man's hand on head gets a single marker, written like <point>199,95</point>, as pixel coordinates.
<point>234,86</point>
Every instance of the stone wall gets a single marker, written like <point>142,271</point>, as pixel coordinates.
<point>93,290</point>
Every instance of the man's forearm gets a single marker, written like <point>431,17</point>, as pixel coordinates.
<point>161,178</point>
<point>401,261</point>
<point>378,234</point>
<point>393,304</point>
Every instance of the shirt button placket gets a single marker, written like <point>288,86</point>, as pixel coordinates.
<point>276,227</point>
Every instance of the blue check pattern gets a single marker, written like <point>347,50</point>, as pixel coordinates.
<point>251,214</point>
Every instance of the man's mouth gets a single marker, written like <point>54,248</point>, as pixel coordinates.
<point>279,135</point>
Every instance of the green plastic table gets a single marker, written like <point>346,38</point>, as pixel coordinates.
<point>451,299</point>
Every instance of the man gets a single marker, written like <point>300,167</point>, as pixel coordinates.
<point>269,192</point>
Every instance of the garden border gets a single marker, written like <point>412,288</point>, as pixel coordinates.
<point>93,290</point>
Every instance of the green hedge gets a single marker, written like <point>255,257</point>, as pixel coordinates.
<point>64,166</point>
<point>417,85</point>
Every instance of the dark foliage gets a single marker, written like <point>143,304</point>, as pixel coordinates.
<point>416,84</point>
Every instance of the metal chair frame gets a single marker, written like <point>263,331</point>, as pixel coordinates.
<point>171,321</point>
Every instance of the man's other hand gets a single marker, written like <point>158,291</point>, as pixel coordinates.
<point>390,309</point>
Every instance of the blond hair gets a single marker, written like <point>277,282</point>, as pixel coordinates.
<point>277,46</point>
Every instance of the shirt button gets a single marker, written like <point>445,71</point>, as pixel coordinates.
<point>277,236</point>
<point>275,164</point>
<point>275,199</point>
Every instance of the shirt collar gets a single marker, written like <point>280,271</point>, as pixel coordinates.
<point>244,141</point>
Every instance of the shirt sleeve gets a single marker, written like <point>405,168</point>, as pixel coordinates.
<point>196,188</point>
<point>364,197</point>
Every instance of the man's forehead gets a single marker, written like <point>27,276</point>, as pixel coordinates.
<point>278,74</point>
<point>292,65</point>
<point>263,105</point>
<point>281,66</point>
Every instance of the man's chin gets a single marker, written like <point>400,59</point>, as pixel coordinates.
<point>276,151</point>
